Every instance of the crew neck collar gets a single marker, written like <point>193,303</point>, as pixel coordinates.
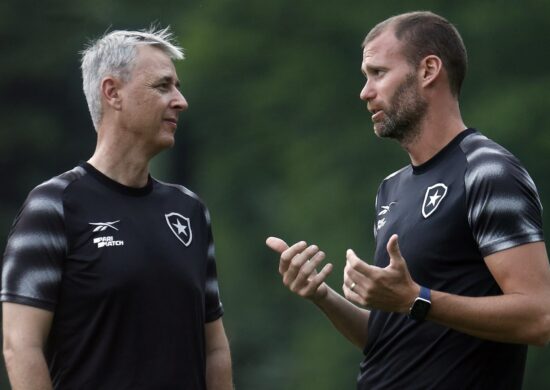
<point>116,186</point>
<point>417,169</point>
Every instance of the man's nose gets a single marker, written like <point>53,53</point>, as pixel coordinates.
<point>367,93</point>
<point>179,102</point>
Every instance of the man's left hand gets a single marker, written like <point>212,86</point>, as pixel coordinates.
<point>388,289</point>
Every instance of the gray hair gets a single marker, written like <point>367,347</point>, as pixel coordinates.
<point>113,55</point>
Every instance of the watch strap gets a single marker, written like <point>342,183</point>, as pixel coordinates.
<point>421,305</point>
<point>425,294</point>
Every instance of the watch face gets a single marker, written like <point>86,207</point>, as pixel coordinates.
<point>419,309</point>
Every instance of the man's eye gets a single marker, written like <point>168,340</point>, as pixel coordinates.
<point>163,87</point>
<point>377,72</point>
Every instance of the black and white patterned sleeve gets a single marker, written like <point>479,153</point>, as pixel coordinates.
<point>36,248</point>
<point>214,307</point>
<point>504,209</point>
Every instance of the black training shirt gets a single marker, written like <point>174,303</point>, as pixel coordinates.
<point>129,274</point>
<point>470,200</point>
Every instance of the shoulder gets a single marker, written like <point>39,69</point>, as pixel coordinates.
<point>504,208</point>
<point>485,156</point>
<point>60,182</point>
<point>397,174</point>
<point>37,245</point>
<point>394,179</point>
<point>185,194</point>
<point>49,194</point>
<point>487,161</point>
<point>179,190</point>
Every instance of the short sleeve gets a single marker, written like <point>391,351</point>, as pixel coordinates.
<point>214,307</point>
<point>504,209</point>
<point>36,248</point>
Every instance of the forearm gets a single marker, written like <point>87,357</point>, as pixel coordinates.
<point>218,369</point>
<point>350,320</point>
<point>27,369</point>
<point>513,317</point>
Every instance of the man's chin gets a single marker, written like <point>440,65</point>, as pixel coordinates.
<point>168,138</point>
<point>163,144</point>
<point>168,143</point>
<point>381,131</point>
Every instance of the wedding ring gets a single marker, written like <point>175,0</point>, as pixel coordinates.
<point>352,286</point>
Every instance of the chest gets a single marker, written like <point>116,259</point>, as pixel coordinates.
<point>429,214</point>
<point>131,246</point>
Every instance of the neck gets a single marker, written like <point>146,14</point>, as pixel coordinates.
<point>437,129</point>
<point>121,159</point>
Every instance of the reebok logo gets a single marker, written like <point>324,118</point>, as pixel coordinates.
<point>385,209</point>
<point>102,226</point>
<point>105,240</point>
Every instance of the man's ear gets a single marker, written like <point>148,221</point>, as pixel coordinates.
<point>431,68</point>
<point>110,89</point>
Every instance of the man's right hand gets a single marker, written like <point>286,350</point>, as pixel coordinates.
<point>297,266</point>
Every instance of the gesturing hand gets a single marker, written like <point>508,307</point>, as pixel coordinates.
<point>389,289</point>
<point>297,266</point>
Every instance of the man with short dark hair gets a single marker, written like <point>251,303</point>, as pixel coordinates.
<point>455,303</point>
<point>109,276</point>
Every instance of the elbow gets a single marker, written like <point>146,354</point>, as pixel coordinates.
<point>9,355</point>
<point>540,331</point>
<point>218,352</point>
<point>539,342</point>
<point>544,338</point>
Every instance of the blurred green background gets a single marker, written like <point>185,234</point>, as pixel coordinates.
<point>276,140</point>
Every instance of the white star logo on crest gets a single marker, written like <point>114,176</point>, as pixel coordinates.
<point>435,193</point>
<point>434,199</point>
<point>180,226</point>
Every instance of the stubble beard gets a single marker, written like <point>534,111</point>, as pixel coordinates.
<point>405,111</point>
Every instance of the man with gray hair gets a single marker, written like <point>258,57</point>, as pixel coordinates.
<point>109,276</point>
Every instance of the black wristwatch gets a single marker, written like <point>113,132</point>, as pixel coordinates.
<point>421,305</point>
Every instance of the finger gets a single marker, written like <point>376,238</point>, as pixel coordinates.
<point>393,250</point>
<point>318,279</point>
<point>347,286</point>
<point>356,263</point>
<point>297,262</point>
<point>352,276</point>
<point>289,254</point>
<point>348,270</point>
<point>361,284</point>
<point>353,295</point>
<point>307,270</point>
<point>276,244</point>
